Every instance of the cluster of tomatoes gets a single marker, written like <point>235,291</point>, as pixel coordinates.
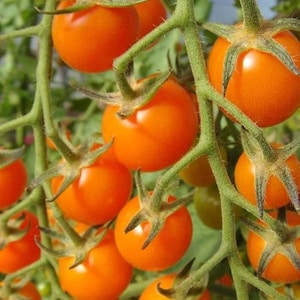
<point>160,133</point>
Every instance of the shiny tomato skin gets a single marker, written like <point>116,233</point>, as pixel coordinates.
<point>103,275</point>
<point>151,292</point>
<point>276,195</point>
<point>261,86</point>
<point>166,248</point>
<point>89,40</point>
<point>18,254</point>
<point>98,194</point>
<point>13,180</point>
<point>279,269</point>
<point>156,135</point>
<point>151,14</point>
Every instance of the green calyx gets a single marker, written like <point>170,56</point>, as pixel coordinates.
<point>273,165</point>
<point>254,33</point>
<point>149,211</point>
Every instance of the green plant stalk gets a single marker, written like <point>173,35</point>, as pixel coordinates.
<point>251,15</point>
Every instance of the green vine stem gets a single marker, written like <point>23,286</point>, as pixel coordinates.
<point>251,15</point>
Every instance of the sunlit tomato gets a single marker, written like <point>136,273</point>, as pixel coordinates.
<point>259,82</point>
<point>24,251</point>
<point>199,173</point>
<point>279,268</point>
<point>166,248</point>
<point>151,292</point>
<point>13,180</point>
<point>276,194</point>
<point>98,194</point>
<point>156,135</point>
<point>103,275</point>
<point>151,14</point>
<point>89,40</point>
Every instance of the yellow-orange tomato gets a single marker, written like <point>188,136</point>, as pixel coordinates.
<point>276,195</point>
<point>261,86</point>
<point>151,14</point>
<point>89,40</point>
<point>279,268</point>
<point>103,275</point>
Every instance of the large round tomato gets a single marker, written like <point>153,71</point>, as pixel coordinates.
<point>13,180</point>
<point>261,86</point>
<point>166,248</point>
<point>89,40</point>
<point>199,172</point>
<point>276,194</point>
<point>279,269</point>
<point>98,194</point>
<point>151,292</point>
<point>24,251</point>
<point>156,135</point>
<point>151,14</point>
<point>103,275</point>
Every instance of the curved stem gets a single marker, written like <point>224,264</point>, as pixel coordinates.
<point>251,15</point>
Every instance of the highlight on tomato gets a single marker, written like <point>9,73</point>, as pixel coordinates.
<point>258,85</point>
<point>13,180</point>
<point>98,193</point>
<point>168,246</point>
<point>90,39</point>
<point>151,14</point>
<point>23,251</point>
<point>103,275</point>
<point>151,292</point>
<point>276,195</point>
<point>156,135</point>
<point>279,266</point>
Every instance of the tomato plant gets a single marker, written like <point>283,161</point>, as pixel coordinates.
<point>103,275</point>
<point>153,137</point>
<point>27,290</point>
<point>151,14</point>
<point>253,71</point>
<point>199,172</point>
<point>98,194</point>
<point>13,180</point>
<point>276,194</point>
<point>89,40</point>
<point>165,250</point>
<point>165,282</point>
<point>23,251</point>
<point>279,268</point>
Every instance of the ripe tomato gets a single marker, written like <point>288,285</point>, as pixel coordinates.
<point>151,292</point>
<point>199,173</point>
<point>13,180</point>
<point>103,275</point>
<point>151,14</point>
<point>279,269</point>
<point>98,194</point>
<point>89,40</point>
<point>156,135</point>
<point>167,247</point>
<point>276,195</point>
<point>258,85</point>
<point>20,253</point>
